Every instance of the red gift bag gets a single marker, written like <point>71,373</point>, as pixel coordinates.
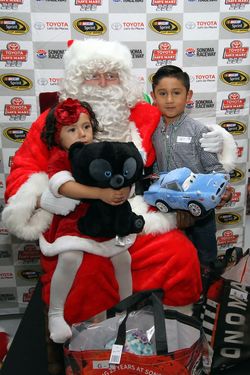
<point>152,341</point>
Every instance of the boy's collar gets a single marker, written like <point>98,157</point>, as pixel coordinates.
<point>178,121</point>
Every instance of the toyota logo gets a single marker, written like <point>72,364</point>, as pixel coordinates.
<point>190,25</point>
<point>39,25</point>
<point>116,26</point>
<point>42,81</point>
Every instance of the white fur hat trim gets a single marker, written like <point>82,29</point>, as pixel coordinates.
<point>82,52</point>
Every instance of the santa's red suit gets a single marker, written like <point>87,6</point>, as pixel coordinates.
<point>161,258</point>
<point>63,233</point>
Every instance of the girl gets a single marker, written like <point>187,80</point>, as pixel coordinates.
<point>69,122</point>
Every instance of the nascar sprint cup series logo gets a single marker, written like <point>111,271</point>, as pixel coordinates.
<point>164,26</point>
<point>89,26</point>
<point>234,127</point>
<point>236,24</point>
<point>234,77</point>
<point>16,82</point>
<point>13,26</point>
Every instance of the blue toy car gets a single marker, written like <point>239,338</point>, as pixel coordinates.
<point>181,189</point>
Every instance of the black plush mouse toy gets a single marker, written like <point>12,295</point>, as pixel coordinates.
<point>107,165</point>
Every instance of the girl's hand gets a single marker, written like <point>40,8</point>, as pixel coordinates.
<point>126,192</point>
<point>112,196</point>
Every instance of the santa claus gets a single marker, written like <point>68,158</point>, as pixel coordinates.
<point>99,72</point>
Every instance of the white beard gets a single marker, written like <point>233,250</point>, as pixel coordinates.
<point>111,109</point>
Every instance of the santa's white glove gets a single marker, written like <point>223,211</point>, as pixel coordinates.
<point>57,205</point>
<point>212,141</point>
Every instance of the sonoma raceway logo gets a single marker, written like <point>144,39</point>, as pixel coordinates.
<point>50,54</point>
<point>200,52</point>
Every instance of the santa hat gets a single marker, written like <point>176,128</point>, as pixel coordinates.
<point>89,53</point>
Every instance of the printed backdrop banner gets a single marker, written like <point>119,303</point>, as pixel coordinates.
<point>208,38</point>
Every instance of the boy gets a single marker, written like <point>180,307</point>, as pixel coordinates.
<point>177,144</point>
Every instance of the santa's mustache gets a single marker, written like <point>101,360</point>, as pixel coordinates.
<point>110,93</point>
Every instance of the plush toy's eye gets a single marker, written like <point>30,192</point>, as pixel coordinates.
<point>108,173</point>
<point>100,170</point>
<point>129,168</point>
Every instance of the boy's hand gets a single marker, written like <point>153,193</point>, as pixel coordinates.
<point>184,219</point>
<point>226,197</point>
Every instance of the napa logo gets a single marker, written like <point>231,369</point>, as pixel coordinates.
<point>234,77</point>
<point>13,26</point>
<point>228,218</point>
<point>164,26</point>
<point>15,134</point>
<point>236,175</point>
<point>233,127</point>
<point>89,26</point>
<point>16,82</point>
<point>236,24</point>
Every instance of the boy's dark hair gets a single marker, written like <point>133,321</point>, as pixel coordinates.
<point>171,71</point>
<point>49,130</point>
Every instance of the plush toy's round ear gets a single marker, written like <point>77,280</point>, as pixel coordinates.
<point>74,148</point>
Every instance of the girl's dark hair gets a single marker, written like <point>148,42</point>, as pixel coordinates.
<point>171,71</point>
<point>49,129</point>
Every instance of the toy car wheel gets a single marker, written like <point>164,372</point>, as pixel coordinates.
<point>196,209</point>
<point>162,206</point>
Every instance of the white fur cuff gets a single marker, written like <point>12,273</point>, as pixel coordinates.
<point>67,243</point>
<point>58,179</point>
<point>20,215</point>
